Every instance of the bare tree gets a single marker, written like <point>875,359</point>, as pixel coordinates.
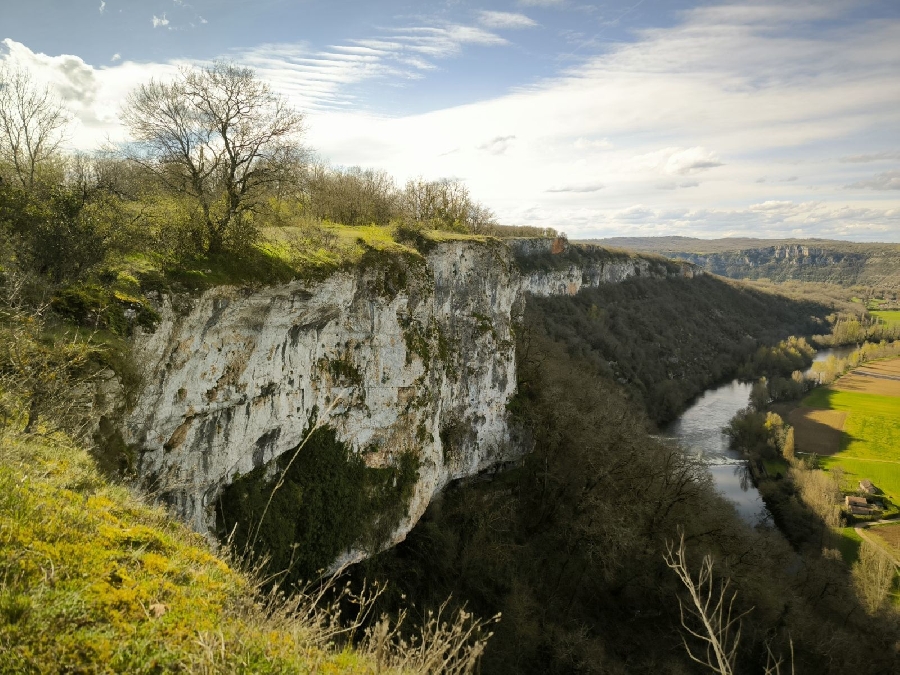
<point>218,135</point>
<point>709,615</point>
<point>32,125</point>
<point>446,204</point>
<point>481,219</point>
<point>873,575</point>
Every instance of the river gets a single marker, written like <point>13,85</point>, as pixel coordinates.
<point>700,429</point>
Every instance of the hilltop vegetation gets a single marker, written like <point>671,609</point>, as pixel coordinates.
<point>213,187</point>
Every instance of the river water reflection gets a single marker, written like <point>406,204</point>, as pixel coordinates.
<point>700,430</point>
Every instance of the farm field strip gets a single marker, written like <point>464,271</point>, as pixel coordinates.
<point>859,383</point>
<point>855,424</point>
<point>817,431</point>
<point>889,367</point>
<point>871,428</point>
<point>889,316</point>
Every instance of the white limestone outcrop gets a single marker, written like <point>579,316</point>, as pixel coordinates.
<point>232,379</point>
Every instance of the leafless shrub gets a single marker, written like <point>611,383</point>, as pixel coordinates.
<point>873,576</point>
<point>709,617</point>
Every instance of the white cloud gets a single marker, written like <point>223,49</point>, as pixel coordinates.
<point>889,180</point>
<point>102,7</point>
<point>713,97</point>
<point>580,188</point>
<point>319,79</point>
<point>872,157</point>
<point>116,57</point>
<point>592,144</point>
<point>678,161</point>
<point>497,145</point>
<point>93,95</point>
<point>508,20</point>
<point>445,41</point>
<point>160,21</point>
<point>765,219</point>
<point>673,185</point>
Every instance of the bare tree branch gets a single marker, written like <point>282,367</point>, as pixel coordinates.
<point>216,134</point>
<point>713,611</point>
<point>32,125</point>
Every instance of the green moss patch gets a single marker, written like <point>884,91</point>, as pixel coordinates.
<point>96,306</point>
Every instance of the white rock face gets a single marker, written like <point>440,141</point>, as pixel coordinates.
<point>231,382</point>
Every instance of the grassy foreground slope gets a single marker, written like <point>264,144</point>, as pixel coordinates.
<point>93,580</point>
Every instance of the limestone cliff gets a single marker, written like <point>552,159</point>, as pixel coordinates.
<point>416,355</point>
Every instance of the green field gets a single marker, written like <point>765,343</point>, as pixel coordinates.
<point>775,467</point>
<point>885,475</point>
<point>872,427</point>
<point>870,445</point>
<point>848,543</point>
<point>888,316</point>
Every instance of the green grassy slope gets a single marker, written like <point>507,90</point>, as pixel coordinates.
<point>94,580</point>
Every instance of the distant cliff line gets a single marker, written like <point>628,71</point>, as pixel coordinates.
<point>875,265</point>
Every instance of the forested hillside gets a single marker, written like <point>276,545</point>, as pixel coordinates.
<point>666,342</point>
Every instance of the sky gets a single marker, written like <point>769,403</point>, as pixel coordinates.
<point>638,118</point>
